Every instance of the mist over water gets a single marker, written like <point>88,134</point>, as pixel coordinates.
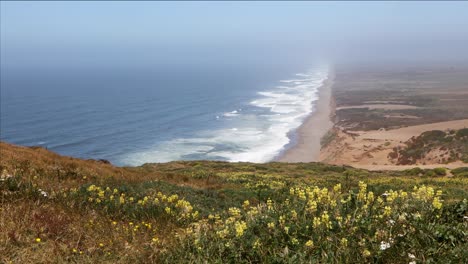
<point>159,81</point>
<point>256,131</point>
<point>157,114</point>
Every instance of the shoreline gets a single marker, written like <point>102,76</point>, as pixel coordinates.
<point>307,137</point>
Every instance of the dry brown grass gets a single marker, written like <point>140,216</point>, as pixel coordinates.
<point>72,172</point>
<point>73,228</point>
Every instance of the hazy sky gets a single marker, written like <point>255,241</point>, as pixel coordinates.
<point>32,32</point>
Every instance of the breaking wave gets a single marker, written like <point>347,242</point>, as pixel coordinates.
<point>256,133</point>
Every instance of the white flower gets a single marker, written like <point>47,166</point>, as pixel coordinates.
<point>384,245</point>
<point>43,193</point>
<point>5,176</point>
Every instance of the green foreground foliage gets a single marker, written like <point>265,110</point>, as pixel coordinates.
<point>217,212</point>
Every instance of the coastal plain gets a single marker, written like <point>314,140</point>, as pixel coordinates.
<point>376,112</point>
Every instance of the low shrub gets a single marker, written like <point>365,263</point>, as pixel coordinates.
<point>440,171</point>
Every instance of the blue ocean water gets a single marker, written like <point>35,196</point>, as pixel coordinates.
<point>158,113</point>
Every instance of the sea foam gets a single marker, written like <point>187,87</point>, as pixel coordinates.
<point>256,134</point>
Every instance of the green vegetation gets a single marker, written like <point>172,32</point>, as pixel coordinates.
<point>460,172</point>
<point>327,138</point>
<point>446,147</point>
<point>57,209</point>
<point>440,171</point>
<point>439,95</point>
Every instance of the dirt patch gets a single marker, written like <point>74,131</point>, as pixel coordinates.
<point>379,106</point>
<point>372,148</point>
<point>401,116</point>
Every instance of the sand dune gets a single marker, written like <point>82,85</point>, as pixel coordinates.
<point>405,133</point>
<point>370,149</point>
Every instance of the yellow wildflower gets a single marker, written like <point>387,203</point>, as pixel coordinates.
<point>344,242</point>
<point>312,206</point>
<point>295,241</point>
<point>387,210</point>
<point>437,204</point>
<point>233,211</point>
<point>294,214</point>
<point>282,220</point>
<point>257,244</point>
<point>316,222</point>
<point>240,227</point>
<point>195,214</point>
<point>362,191</point>
<point>269,204</point>
<point>326,219</point>
<point>337,188</point>
<point>172,198</point>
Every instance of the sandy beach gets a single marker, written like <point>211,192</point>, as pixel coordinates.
<point>368,129</point>
<point>308,146</point>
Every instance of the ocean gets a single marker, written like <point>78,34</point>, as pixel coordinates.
<point>159,113</point>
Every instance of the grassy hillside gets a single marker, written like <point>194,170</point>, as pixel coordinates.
<point>60,209</point>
